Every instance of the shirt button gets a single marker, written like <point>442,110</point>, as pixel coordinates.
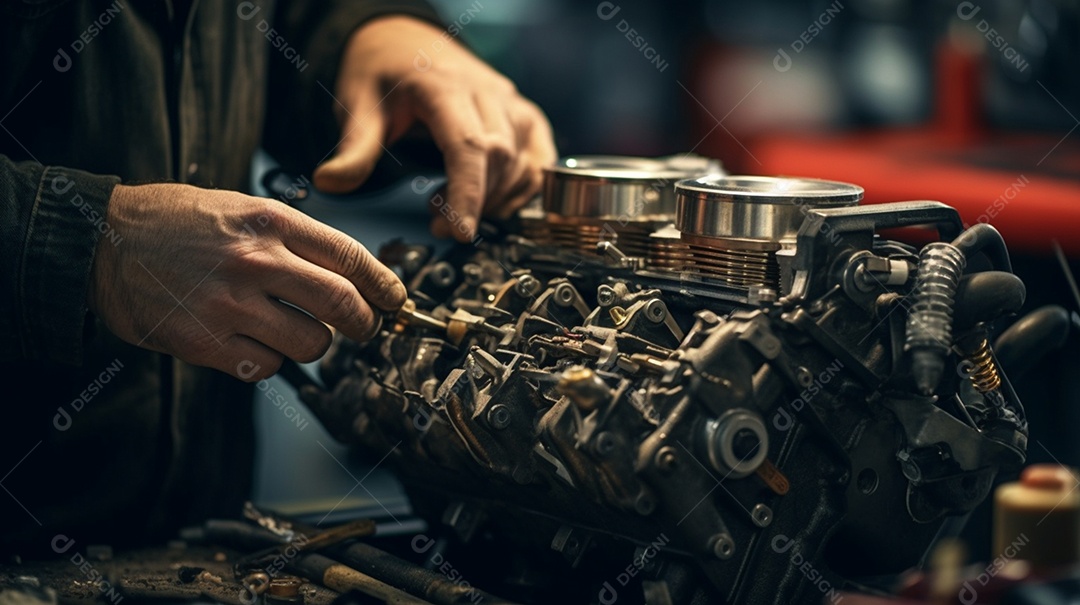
<point>192,169</point>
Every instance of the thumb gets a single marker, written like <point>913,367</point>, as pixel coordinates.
<point>361,145</point>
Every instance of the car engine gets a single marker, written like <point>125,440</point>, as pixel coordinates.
<point>664,384</point>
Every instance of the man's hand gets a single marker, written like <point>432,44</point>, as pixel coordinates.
<point>202,274</point>
<point>495,142</point>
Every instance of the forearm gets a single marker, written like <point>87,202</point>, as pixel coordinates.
<point>52,221</point>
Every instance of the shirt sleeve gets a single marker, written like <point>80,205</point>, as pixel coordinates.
<point>51,220</point>
<point>301,128</point>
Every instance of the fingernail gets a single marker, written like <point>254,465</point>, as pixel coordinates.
<point>400,294</point>
<point>468,228</point>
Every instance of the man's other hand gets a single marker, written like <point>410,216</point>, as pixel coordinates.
<point>397,71</point>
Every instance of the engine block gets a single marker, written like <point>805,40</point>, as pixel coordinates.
<point>691,387</point>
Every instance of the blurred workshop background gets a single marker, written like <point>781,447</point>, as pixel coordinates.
<point>971,103</point>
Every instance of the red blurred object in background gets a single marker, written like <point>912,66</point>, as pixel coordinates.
<point>1026,185</point>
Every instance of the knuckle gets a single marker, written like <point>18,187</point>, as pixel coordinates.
<point>505,85</point>
<point>535,178</point>
<point>246,256</point>
<point>254,366</point>
<point>341,301</point>
<point>472,142</point>
<point>352,258</point>
<point>195,348</point>
<point>500,149</point>
<point>369,324</point>
<point>534,111</point>
<point>274,215</point>
<point>315,342</point>
<point>257,215</point>
<point>227,301</point>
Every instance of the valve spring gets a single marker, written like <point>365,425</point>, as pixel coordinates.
<point>929,324</point>
<point>984,373</point>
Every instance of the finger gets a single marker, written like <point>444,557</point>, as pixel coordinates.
<point>363,133</point>
<point>458,132</point>
<point>503,168</point>
<point>440,225</point>
<point>337,252</point>
<point>246,359</point>
<point>533,126</point>
<point>328,296</point>
<point>286,330</point>
<point>529,186</point>
<point>538,145</point>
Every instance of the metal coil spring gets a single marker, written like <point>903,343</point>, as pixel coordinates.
<point>984,374</point>
<point>929,324</point>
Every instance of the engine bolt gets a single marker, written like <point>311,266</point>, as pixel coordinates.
<point>604,444</point>
<point>655,310</point>
<point>644,504</point>
<point>666,459</point>
<point>605,296</point>
<point>498,416</point>
<point>413,260</point>
<point>764,296</point>
<point>722,546</point>
<point>521,475</point>
<point>745,444</point>
<point>473,273</point>
<point>528,286</point>
<point>443,274</point>
<point>762,515</point>
<point>804,376</point>
<point>572,546</point>
<point>564,295</point>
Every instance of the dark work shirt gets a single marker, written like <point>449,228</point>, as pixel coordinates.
<point>102,441</point>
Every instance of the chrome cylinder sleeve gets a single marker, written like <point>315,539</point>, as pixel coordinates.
<point>590,199</point>
<point>732,227</point>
